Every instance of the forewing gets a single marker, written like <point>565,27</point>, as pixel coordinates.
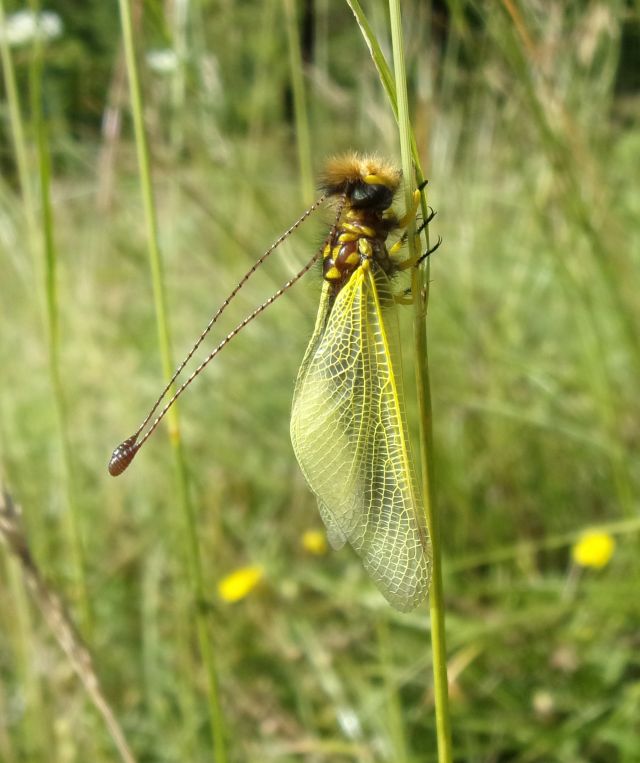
<point>350,437</point>
<point>311,424</point>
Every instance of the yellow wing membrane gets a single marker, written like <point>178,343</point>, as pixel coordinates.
<point>350,436</point>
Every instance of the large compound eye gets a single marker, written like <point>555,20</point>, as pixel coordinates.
<point>376,196</point>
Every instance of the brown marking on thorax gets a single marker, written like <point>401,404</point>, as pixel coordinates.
<point>361,234</point>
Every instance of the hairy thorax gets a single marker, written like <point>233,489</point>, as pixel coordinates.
<point>360,235</point>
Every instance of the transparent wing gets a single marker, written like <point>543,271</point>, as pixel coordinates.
<point>350,437</point>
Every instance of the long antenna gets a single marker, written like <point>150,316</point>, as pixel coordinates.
<point>125,452</point>
<point>225,304</point>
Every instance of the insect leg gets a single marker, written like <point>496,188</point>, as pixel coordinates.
<point>403,239</point>
<point>411,212</point>
<point>429,251</point>
<point>405,297</point>
<point>416,261</point>
<point>424,223</point>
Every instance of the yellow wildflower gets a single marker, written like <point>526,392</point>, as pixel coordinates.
<point>239,583</point>
<point>315,542</point>
<point>594,549</point>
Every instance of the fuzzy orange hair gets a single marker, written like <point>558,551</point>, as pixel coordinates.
<point>346,169</point>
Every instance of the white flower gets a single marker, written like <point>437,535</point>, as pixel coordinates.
<point>162,61</point>
<point>24,26</point>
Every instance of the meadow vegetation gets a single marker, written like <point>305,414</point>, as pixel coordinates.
<point>526,119</point>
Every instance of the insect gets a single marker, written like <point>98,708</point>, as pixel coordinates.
<point>348,426</point>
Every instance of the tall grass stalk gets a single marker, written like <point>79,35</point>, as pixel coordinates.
<point>60,624</point>
<point>178,22</point>
<point>51,320</point>
<point>190,537</point>
<point>301,114</point>
<point>528,548</point>
<point>419,291</point>
<point>389,85</point>
<point>37,721</point>
<point>18,136</point>
<point>395,719</point>
<point>396,89</point>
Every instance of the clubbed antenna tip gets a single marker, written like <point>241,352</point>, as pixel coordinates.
<point>123,455</point>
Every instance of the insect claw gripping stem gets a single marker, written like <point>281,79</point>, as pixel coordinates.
<point>429,251</point>
<point>403,239</point>
<point>424,223</point>
<point>400,299</point>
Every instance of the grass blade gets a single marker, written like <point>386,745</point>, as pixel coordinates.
<point>190,539</point>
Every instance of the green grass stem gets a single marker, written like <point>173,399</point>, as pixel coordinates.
<point>17,133</point>
<point>495,556</point>
<point>301,113</point>
<point>62,627</point>
<point>52,315</point>
<point>37,723</point>
<point>190,538</point>
<point>395,718</point>
<point>178,23</point>
<point>389,85</point>
<point>396,90</point>
<point>419,291</point>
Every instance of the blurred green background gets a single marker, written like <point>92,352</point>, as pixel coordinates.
<point>526,116</point>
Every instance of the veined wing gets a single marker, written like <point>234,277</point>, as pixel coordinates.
<point>350,437</point>
<point>303,411</point>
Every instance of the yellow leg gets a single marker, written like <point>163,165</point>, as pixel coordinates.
<point>417,260</point>
<point>393,250</point>
<point>407,263</point>
<point>402,299</point>
<point>403,222</point>
<point>411,212</point>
